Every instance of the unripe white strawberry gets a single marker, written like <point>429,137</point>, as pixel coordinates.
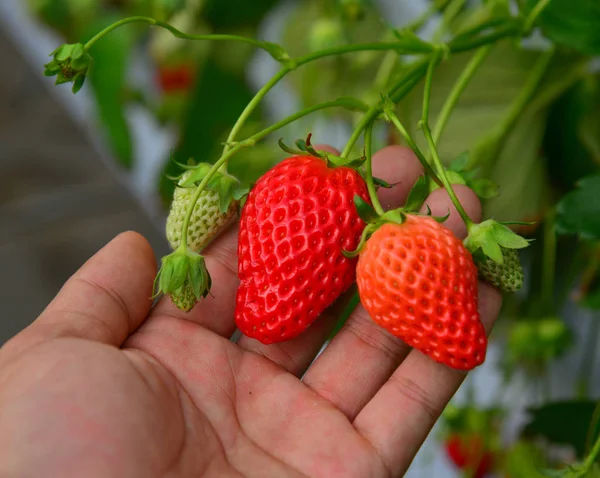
<point>206,222</point>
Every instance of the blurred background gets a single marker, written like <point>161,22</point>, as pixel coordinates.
<point>75,170</point>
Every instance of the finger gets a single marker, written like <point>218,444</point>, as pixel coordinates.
<point>420,388</point>
<point>401,415</point>
<point>440,204</point>
<point>362,357</point>
<point>400,167</point>
<point>215,312</point>
<point>104,301</point>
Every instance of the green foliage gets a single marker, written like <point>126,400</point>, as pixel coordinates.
<point>565,422</point>
<point>571,143</point>
<point>108,76</point>
<point>573,23</point>
<point>579,211</point>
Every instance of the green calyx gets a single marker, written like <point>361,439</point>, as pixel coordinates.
<point>374,221</point>
<point>227,186</point>
<point>304,148</point>
<point>490,237</point>
<point>70,64</point>
<point>184,277</point>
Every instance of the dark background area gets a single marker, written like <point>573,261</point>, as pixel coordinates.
<point>59,203</point>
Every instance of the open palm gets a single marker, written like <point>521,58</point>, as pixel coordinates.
<point>101,385</point>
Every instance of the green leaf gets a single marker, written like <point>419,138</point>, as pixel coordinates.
<point>417,194</point>
<point>589,126</point>
<point>460,163</point>
<point>381,183</point>
<point>507,238</point>
<point>484,188</point>
<point>573,23</point>
<point>225,186</point>
<point>111,60</point>
<point>195,175</point>
<point>571,142</point>
<point>365,210</point>
<point>235,13</point>
<point>564,422</point>
<point>493,251</point>
<point>517,168</point>
<point>579,211</point>
<point>174,271</point>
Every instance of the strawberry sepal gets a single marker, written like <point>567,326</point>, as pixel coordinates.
<point>490,237</point>
<point>494,248</point>
<point>184,277</point>
<point>70,64</point>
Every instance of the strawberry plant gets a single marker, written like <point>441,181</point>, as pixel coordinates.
<point>496,95</point>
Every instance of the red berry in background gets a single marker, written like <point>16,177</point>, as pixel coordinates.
<point>468,452</point>
<point>176,78</point>
<point>296,222</point>
<point>419,282</point>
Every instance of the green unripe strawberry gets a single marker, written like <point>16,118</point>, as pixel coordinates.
<point>207,220</point>
<point>184,297</point>
<point>508,276</point>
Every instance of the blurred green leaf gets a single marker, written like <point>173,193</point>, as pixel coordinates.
<point>68,17</point>
<point>573,23</point>
<point>564,422</point>
<point>209,118</point>
<point>235,13</point>
<point>417,194</point>
<point>523,460</point>
<point>572,138</point>
<point>107,77</point>
<point>518,168</point>
<point>348,75</point>
<point>579,211</point>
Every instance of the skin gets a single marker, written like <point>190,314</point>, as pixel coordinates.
<point>101,384</point>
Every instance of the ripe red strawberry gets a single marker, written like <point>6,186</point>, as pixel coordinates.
<point>468,452</point>
<point>296,222</point>
<point>177,78</point>
<point>419,282</point>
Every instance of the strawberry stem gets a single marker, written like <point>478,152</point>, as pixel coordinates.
<point>458,89</point>
<point>398,91</point>
<point>176,33</point>
<point>516,108</point>
<point>235,147</point>
<point>369,168</point>
<point>389,112</point>
<point>254,102</point>
<point>589,461</point>
<point>534,14</point>
<point>435,59</point>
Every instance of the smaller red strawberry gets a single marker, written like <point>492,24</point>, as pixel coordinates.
<point>419,282</point>
<point>468,453</point>
<point>176,78</point>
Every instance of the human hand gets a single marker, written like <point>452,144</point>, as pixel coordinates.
<point>101,384</point>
